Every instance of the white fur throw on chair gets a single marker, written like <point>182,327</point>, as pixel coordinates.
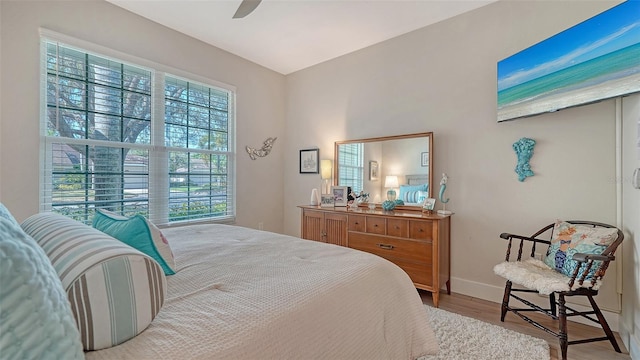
<point>535,274</point>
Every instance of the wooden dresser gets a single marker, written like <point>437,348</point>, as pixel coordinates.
<point>416,242</point>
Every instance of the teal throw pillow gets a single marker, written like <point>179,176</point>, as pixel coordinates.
<point>36,321</point>
<point>569,239</point>
<point>139,233</point>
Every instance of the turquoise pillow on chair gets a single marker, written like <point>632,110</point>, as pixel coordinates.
<point>139,233</point>
<point>36,320</point>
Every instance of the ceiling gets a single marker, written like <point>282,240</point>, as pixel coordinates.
<point>290,35</point>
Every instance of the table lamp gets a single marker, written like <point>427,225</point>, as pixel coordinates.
<point>391,182</point>
<point>325,174</point>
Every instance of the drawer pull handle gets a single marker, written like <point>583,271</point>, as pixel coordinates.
<point>385,246</point>
<point>356,223</point>
<point>376,225</point>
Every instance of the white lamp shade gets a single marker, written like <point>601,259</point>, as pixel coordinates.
<point>325,169</point>
<point>391,181</point>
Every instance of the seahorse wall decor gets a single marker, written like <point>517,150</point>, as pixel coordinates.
<point>524,151</point>
<point>262,152</point>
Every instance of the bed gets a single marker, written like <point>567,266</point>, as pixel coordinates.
<point>240,293</point>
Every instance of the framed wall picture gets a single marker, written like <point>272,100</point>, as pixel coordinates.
<point>326,200</point>
<point>424,159</point>
<point>429,204</point>
<point>373,170</point>
<point>340,195</point>
<point>309,161</point>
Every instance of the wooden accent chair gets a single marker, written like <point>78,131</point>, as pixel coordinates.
<point>573,263</point>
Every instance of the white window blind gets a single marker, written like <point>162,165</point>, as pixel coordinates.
<point>351,166</point>
<point>133,140</point>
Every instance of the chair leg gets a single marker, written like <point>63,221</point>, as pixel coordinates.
<point>505,300</point>
<point>562,320</point>
<point>604,324</point>
<point>552,304</point>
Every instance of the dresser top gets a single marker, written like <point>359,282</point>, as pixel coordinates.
<point>417,214</point>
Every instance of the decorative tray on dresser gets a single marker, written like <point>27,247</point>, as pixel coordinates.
<point>415,241</point>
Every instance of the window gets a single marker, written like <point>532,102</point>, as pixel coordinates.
<point>351,163</point>
<point>134,140</point>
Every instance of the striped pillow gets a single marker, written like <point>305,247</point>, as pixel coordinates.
<point>115,291</point>
<point>413,193</point>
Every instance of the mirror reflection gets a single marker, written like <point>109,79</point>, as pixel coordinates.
<point>387,168</point>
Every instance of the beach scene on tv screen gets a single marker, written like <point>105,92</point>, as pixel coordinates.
<point>594,60</point>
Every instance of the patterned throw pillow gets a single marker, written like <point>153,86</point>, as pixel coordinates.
<point>569,239</point>
<point>36,320</point>
<point>115,291</point>
<point>139,233</point>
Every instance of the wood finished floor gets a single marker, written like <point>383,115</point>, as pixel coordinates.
<point>490,312</point>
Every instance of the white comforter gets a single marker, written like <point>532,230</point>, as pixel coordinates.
<point>246,294</point>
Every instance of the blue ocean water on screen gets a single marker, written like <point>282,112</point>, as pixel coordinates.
<point>615,65</point>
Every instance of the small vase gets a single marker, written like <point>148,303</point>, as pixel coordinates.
<point>388,205</point>
<point>315,198</point>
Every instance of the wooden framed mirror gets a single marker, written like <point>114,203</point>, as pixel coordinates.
<point>367,164</point>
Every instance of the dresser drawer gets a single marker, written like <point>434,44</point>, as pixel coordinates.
<point>419,273</point>
<point>357,223</point>
<point>421,230</point>
<point>376,225</point>
<point>411,250</point>
<point>397,227</point>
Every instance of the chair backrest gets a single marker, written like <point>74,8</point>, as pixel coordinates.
<point>584,272</point>
<point>609,253</point>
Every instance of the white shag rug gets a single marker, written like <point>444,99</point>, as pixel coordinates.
<point>464,338</point>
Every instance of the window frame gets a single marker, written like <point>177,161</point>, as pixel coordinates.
<point>158,186</point>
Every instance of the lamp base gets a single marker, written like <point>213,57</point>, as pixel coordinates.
<point>391,195</point>
<point>444,212</point>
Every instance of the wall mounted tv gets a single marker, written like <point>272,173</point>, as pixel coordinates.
<point>594,60</point>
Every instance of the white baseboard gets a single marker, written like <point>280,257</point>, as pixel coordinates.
<point>632,343</point>
<point>494,294</point>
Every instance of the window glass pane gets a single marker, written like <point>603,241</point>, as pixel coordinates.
<point>88,177</point>
<point>198,186</point>
<point>68,63</point>
<point>176,136</point>
<point>68,93</point>
<point>198,117</point>
<point>66,123</point>
<point>175,89</point>
<point>175,112</point>
<point>104,71</point>
<point>199,95</point>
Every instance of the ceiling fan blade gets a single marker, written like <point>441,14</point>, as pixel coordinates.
<point>245,8</point>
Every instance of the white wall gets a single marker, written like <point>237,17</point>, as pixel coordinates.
<point>630,324</point>
<point>260,96</point>
<point>443,79</point>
